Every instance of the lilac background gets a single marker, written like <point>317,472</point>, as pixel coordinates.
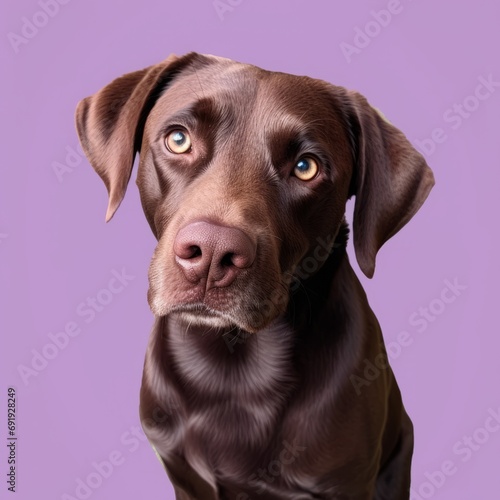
<point>55,250</point>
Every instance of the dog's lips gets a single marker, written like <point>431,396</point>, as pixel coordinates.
<point>200,313</point>
<point>195,308</point>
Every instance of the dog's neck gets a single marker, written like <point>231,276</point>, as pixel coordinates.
<point>199,350</point>
<point>252,375</point>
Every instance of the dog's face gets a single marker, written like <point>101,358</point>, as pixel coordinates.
<point>242,173</point>
<point>255,154</point>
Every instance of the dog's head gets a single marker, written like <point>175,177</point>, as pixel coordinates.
<point>244,174</point>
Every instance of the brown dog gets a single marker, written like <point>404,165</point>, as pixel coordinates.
<point>253,382</point>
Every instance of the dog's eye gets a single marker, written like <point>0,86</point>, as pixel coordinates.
<point>306,169</point>
<point>178,142</point>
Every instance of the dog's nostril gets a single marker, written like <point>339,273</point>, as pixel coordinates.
<point>195,251</point>
<point>187,252</point>
<point>227,260</point>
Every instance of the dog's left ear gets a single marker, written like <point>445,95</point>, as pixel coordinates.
<point>391,181</point>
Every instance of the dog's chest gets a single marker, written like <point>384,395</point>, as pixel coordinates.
<point>233,395</point>
<point>235,387</point>
<point>237,425</point>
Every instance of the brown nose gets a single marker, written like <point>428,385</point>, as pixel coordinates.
<point>216,253</point>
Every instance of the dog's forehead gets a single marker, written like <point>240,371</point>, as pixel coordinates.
<point>209,81</point>
<point>248,90</point>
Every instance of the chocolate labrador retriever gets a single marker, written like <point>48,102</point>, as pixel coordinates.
<point>255,381</point>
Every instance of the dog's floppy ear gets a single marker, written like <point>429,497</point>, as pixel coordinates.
<point>391,181</point>
<point>110,122</point>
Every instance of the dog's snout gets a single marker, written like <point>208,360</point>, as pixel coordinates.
<point>216,253</point>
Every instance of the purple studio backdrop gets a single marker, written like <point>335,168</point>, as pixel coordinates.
<point>434,71</point>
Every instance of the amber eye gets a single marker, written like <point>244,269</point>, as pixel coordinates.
<point>306,169</point>
<point>178,142</point>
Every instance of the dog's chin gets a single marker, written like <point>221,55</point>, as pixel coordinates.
<point>205,319</point>
<point>199,316</point>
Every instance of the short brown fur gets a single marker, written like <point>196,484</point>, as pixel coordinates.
<point>249,389</point>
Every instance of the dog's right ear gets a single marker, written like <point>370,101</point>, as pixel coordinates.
<point>110,123</point>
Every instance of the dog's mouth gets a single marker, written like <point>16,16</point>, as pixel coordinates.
<point>199,314</point>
